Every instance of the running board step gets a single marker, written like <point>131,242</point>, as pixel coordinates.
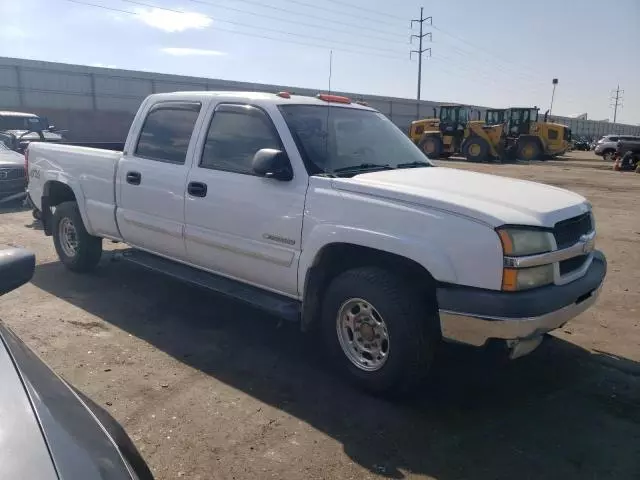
<point>278,305</point>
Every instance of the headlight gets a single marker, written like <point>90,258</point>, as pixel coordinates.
<point>518,242</point>
<point>525,278</point>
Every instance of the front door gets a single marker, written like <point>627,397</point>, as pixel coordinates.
<point>152,180</point>
<point>239,224</point>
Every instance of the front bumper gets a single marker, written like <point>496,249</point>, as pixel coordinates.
<point>474,316</point>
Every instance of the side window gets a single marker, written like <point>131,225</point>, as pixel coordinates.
<point>166,132</point>
<point>613,139</point>
<point>553,134</point>
<point>235,134</point>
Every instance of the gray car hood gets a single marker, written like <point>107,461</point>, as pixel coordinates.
<point>10,158</point>
<point>23,451</point>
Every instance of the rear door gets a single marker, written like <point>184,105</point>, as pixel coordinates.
<point>152,179</point>
<point>239,224</point>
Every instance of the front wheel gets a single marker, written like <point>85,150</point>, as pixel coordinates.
<point>79,251</point>
<point>476,149</point>
<point>608,155</point>
<point>431,146</point>
<point>528,150</point>
<point>379,332</point>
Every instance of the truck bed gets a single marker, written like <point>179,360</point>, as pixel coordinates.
<point>90,172</point>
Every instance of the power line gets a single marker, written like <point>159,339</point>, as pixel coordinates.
<point>307,44</point>
<point>376,12</point>
<point>359,45</point>
<point>420,50</point>
<point>616,98</point>
<point>325,9</point>
<point>296,22</point>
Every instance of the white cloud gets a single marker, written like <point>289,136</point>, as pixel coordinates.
<point>172,21</point>
<point>183,52</point>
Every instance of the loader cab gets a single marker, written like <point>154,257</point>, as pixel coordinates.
<point>521,121</point>
<point>453,119</point>
<point>494,116</point>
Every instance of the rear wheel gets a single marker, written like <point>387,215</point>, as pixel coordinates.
<point>476,149</point>
<point>431,146</point>
<point>79,251</point>
<point>528,150</point>
<point>378,331</point>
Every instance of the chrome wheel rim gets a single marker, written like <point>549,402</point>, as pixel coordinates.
<point>68,237</point>
<point>363,334</point>
<point>608,156</point>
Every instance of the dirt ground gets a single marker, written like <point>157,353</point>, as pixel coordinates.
<point>211,389</point>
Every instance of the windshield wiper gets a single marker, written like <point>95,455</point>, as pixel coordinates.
<point>414,165</point>
<point>364,166</point>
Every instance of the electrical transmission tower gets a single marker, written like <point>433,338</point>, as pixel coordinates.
<point>616,99</point>
<point>420,38</point>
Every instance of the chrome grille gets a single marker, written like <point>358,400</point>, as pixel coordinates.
<point>572,264</point>
<point>568,232</point>
<point>11,173</point>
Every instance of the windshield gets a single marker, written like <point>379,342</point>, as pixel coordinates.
<point>494,117</point>
<point>337,139</point>
<point>18,122</point>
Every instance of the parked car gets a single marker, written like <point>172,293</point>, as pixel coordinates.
<point>13,178</point>
<point>18,129</point>
<point>581,145</point>
<point>323,212</point>
<point>606,146</point>
<point>49,429</point>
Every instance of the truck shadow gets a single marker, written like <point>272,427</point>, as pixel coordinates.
<point>558,413</point>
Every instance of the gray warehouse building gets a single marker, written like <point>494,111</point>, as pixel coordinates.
<point>98,104</point>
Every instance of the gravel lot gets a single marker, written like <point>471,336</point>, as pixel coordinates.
<point>211,389</point>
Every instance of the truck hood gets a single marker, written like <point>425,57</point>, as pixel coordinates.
<point>490,199</point>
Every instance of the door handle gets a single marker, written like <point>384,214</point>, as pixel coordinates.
<point>134,178</point>
<point>197,189</point>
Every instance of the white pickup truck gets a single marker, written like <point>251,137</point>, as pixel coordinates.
<point>323,212</point>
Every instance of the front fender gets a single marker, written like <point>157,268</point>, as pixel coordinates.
<point>430,256</point>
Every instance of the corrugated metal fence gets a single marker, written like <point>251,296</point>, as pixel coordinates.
<point>97,104</point>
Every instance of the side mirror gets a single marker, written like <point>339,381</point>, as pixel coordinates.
<point>16,268</point>
<point>272,163</point>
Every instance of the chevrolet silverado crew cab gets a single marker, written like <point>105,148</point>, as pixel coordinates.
<point>321,211</point>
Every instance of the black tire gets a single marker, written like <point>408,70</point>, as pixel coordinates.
<point>431,146</point>
<point>411,323</point>
<point>529,149</point>
<point>476,149</point>
<point>89,248</point>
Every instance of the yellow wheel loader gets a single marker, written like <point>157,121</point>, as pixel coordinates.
<point>527,138</point>
<point>444,137</point>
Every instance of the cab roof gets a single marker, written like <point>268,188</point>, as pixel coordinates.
<point>260,98</point>
<point>17,114</point>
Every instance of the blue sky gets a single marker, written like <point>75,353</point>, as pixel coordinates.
<point>490,52</point>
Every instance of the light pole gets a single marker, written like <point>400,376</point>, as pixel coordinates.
<point>553,93</point>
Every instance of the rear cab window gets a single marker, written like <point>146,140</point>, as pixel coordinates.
<point>167,131</point>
